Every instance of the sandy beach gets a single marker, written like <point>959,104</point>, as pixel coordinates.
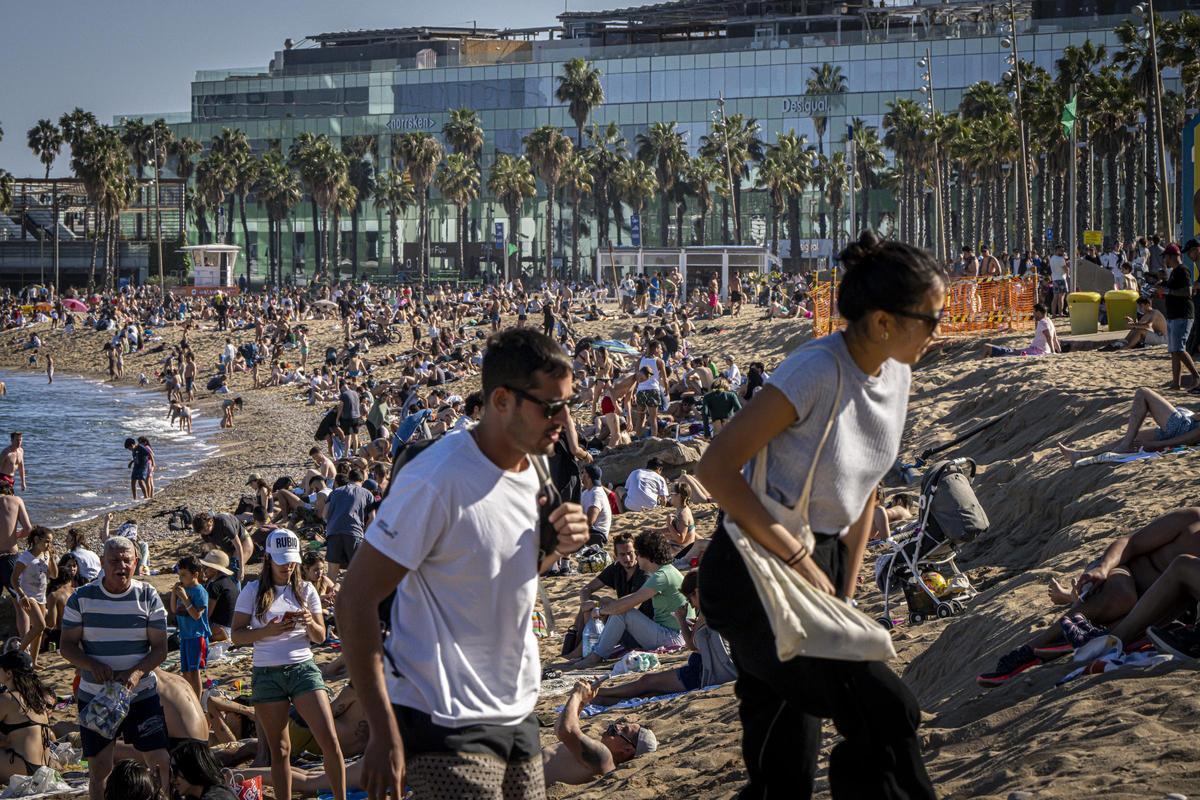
<point>1126,734</point>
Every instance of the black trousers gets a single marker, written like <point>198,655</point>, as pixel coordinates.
<point>782,703</point>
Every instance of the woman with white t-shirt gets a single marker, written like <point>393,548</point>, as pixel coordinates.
<point>34,569</point>
<point>280,614</point>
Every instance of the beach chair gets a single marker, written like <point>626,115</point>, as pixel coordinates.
<point>949,515</point>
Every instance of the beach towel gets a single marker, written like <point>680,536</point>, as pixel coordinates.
<point>592,710</point>
<point>1115,660</point>
<point>1125,458</point>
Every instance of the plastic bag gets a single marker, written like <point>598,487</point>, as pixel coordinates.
<point>635,661</point>
<point>107,710</point>
<point>44,781</point>
<point>245,789</point>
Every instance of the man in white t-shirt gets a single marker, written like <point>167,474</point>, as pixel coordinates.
<point>595,505</point>
<point>1058,280</point>
<point>1111,260</point>
<point>646,488</point>
<point>457,538</point>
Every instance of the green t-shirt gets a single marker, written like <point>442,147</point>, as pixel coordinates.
<point>721,405</point>
<point>667,597</point>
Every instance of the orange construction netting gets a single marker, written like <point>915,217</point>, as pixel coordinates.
<point>972,305</point>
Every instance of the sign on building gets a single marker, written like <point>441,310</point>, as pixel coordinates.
<point>411,123</point>
<point>635,229</point>
<point>1093,238</point>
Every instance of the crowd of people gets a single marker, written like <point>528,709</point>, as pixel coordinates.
<point>448,508</point>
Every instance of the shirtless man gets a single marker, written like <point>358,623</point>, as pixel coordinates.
<point>735,294</point>
<point>14,525</point>
<point>12,462</point>
<point>324,464</point>
<point>1150,328</point>
<point>576,758</point>
<point>186,721</point>
<point>1108,591</point>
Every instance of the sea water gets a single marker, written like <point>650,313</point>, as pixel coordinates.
<point>75,431</point>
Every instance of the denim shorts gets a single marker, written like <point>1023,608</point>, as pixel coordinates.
<point>1177,334</point>
<point>1180,422</point>
<point>285,683</point>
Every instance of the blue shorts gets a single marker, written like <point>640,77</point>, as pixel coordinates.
<point>690,674</point>
<point>193,654</point>
<point>1177,334</point>
<point>1180,422</point>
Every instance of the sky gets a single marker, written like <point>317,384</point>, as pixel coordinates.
<point>140,56</point>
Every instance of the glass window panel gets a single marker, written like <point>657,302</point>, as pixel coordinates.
<point>639,113</point>
<point>762,58</point>
<point>690,82</point>
<point>672,83</point>
<point>643,64</point>
<point>657,86</point>
<point>657,63</point>
<point>778,79</point>
<point>672,62</point>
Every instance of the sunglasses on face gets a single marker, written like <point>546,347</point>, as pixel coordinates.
<point>550,408</point>
<point>932,320</point>
<point>612,730</point>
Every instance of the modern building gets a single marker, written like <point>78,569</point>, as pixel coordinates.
<point>666,62</point>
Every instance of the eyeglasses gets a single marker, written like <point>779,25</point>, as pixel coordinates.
<point>612,730</point>
<point>929,319</point>
<point>550,408</point>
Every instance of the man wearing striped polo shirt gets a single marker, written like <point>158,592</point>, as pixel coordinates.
<point>114,630</point>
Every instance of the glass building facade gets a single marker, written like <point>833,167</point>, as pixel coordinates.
<point>384,83</point>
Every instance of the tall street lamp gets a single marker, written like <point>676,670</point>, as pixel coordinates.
<point>939,239</point>
<point>1014,62</point>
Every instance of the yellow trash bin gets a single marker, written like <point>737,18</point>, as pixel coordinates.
<point>1121,303</point>
<point>1085,312</point>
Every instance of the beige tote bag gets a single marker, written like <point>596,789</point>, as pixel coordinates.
<point>805,620</point>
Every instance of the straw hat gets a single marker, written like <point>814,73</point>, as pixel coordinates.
<point>217,560</point>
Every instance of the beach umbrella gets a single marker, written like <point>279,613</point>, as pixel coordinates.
<point>74,305</point>
<point>614,346</point>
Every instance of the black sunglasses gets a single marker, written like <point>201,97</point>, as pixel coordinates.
<point>550,408</point>
<point>929,319</point>
<point>611,730</point>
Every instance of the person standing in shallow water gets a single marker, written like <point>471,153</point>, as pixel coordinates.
<point>892,297</point>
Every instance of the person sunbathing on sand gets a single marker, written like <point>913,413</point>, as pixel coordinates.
<point>576,758</point>
<point>1109,589</point>
<point>1176,427</point>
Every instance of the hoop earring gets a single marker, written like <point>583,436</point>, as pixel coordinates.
<point>886,335</point>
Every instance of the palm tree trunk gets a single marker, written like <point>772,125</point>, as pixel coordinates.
<point>421,235</point>
<point>724,220</point>
<point>575,201</point>
<point>774,227</point>
<point>245,233</point>
<point>1128,177</point>
<point>335,236</point>
<point>794,230</point>
<point>95,251</point>
<point>393,229</point>
<point>229,219</point>
<point>354,242</point>
<point>737,209</point>
<point>316,226</point>
<point>1110,178</point>
<point>549,232</point>
<point>664,215</point>
<point>680,212</point>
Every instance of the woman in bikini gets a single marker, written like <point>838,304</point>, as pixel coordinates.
<point>681,527</point>
<point>24,717</point>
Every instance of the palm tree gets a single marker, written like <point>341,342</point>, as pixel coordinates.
<point>76,124</point>
<point>235,146</point>
<point>826,80</point>
<point>421,154</point>
<point>796,156</point>
<point>663,146</point>
<point>99,160</point>
<point>906,134</point>
<point>1134,59</point>
<point>216,177</point>
<point>139,138</point>
<point>548,151</point>
<point>868,160</point>
<point>578,179</point>
<point>1076,68</point>
<point>732,142</point>
<point>511,183</point>
<point>702,173</point>
<point>6,190</point>
<point>46,141</point>
<point>1114,111</point>
<point>606,149</point>
<point>464,133</point>
<point>580,87</point>
<point>776,177</point>
<point>360,152</point>
<point>184,148</point>
<point>636,183</point>
<point>301,157</point>
<point>458,181</point>
<point>394,193</point>
<point>344,201</point>
<point>833,169</point>
<point>279,189</point>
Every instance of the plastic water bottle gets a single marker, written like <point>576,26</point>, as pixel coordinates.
<point>592,631</point>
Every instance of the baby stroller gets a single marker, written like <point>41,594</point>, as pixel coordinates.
<point>949,515</point>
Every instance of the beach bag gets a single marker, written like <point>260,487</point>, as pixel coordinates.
<point>251,789</point>
<point>105,712</point>
<point>806,621</point>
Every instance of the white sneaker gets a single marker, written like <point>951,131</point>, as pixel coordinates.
<point>1097,647</point>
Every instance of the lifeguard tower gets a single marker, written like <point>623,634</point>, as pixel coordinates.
<point>214,269</point>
